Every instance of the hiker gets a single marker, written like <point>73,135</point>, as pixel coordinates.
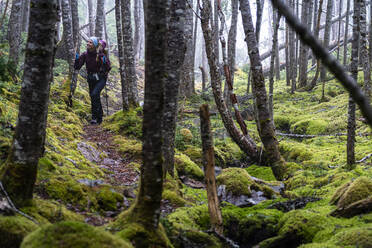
<point>98,67</point>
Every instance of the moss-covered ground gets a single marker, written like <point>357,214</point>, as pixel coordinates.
<point>316,169</point>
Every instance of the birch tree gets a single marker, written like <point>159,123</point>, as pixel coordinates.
<point>18,175</point>
<point>14,32</point>
<point>100,11</point>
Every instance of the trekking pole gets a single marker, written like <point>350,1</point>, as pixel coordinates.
<point>107,111</point>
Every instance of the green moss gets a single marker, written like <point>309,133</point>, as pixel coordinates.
<point>262,172</point>
<point>13,229</point>
<point>319,245</point>
<point>174,198</point>
<point>129,146</point>
<point>310,126</point>
<point>190,218</point>
<point>194,153</point>
<point>198,238</point>
<point>227,151</point>
<point>127,123</point>
<point>237,181</point>
<point>357,237</point>
<point>108,199</point>
<point>360,189</point>
<point>185,166</point>
<point>45,211</point>
<point>304,224</point>
<point>143,238</point>
<point>72,234</point>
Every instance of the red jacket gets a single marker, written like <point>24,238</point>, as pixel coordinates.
<point>93,66</point>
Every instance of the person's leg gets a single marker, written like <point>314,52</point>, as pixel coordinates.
<point>96,97</point>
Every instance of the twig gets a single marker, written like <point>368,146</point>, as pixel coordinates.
<point>14,207</point>
<point>365,158</point>
<point>319,135</point>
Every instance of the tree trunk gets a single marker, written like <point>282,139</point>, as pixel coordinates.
<point>25,15</point>
<point>287,61</point>
<point>129,61</point>
<point>339,28</point>
<point>350,147</point>
<point>346,30</point>
<point>195,36</point>
<point>231,45</point>
<point>266,130</point>
<point>91,17</point>
<point>68,35</point>
<point>364,47</point>
<point>245,143</point>
<point>277,57</point>
<point>19,173</point>
<point>14,32</point>
<point>326,37</point>
<point>75,22</point>
<point>147,206</point>
<point>292,54</point>
<point>208,162</point>
<point>367,87</point>
<point>176,53</point>
<point>315,18</point>
<point>100,11</point>
<point>119,34</point>
<point>137,27</point>
<point>187,69</point>
<point>302,80</point>
<point>276,18</point>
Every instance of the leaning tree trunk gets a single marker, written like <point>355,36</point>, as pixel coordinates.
<point>339,29</point>
<point>129,62</point>
<point>302,81</point>
<point>292,65</point>
<point>14,32</point>
<point>245,142</point>
<point>350,147</point>
<point>146,210</point>
<point>100,11</point>
<point>19,172</point>
<point>266,130</point>
<point>124,86</point>
<point>338,71</point>
<point>176,53</point>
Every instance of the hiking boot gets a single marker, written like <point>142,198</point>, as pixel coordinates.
<point>93,122</point>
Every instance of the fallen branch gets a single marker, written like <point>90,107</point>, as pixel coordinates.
<point>365,158</point>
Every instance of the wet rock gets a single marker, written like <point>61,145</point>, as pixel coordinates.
<point>89,152</point>
<point>90,183</point>
<point>5,208</point>
<point>293,204</point>
<point>109,161</point>
<point>240,200</point>
<point>192,183</point>
<point>129,193</point>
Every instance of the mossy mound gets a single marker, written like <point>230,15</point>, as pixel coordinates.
<point>227,153</point>
<point>129,146</point>
<point>71,234</point>
<point>185,227</point>
<point>310,126</point>
<point>349,193</point>
<point>13,229</point>
<point>128,123</point>
<point>261,172</point>
<point>45,211</point>
<point>108,199</point>
<point>186,167</point>
<point>249,226</point>
<point>356,237</point>
<point>297,227</point>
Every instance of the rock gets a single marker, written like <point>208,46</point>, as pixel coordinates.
<point>90,183</point>
<point>5,208</point>
<point>240,200</point>
<point>293,204</point>
<point>89,152</point>
<point>356,208</point>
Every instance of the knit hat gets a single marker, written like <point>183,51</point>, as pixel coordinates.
<point>103,43</point>
<point>95,41</point>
